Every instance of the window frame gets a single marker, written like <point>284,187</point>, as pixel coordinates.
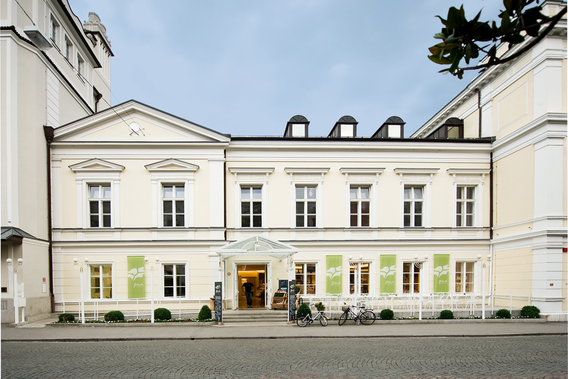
<point>89,286</point>
<point>305,275</point>
<point>462,217</point>
<point>80,66</point>
<point>174,200</point>
<point>68,53</point>
<point>251,200</point>
<point>358,282</point>
<point>417,177</point>
<point>358,200</point>
<point>469,177</point>
<point>100,205</point>
<point>54,30</point>
<point>412,274</point>
<point>251,177</point>
<point>362,177</point>
<point>306,201</point>
<point>163,281</point>
<point>311,177</point>
<point>412,214</point>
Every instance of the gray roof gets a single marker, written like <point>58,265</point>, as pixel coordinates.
<point>9,232</point>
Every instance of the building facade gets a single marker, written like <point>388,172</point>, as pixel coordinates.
<point>53,71</point>
<point>472,207</point>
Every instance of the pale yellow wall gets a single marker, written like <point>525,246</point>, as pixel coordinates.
<point>471,125</point>
<point>564,84</point>
<point>512,275</point>
<point>565,179</point>
<point>514,106</point>
<point>514,187</point>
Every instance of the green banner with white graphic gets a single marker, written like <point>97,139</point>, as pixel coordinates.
<point>388,273</point>
<point>334,272</point>
<point>136,277</point>
<point>441,273</point>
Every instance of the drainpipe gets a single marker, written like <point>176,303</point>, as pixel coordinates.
<point>48,132</point>
<point>479,110</point>
<point>491,196</point>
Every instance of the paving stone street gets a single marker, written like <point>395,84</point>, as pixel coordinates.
<point>487,357</point>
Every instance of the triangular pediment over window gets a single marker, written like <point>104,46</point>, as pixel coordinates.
<point>257,245</point>
<point>136,124</point>
<point>96,164</point>
<point>172,165</point>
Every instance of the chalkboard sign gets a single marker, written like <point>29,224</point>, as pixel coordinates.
<point>292,301</point>
<point>218,302</point>
<point>282,284</point>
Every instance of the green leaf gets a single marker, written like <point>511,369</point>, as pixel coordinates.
<point>456,17</point>
<point>440,36</point>
<point>436,59</point>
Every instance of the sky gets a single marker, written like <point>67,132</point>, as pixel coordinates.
<point>245,67</point>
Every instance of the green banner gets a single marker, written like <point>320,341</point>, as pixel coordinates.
<point>388,273</point>
<point>136,277</point>
<point>441,273</point>
<point>334,274</point>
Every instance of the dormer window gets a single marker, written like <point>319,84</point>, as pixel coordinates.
<point>346,127</point>
<point>297,127</point>
<point>393,127</point>
<point>451,129</point>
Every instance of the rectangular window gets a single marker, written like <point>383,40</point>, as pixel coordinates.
<point>360,206</point>
<point>68,50</point>
<point>99,206</point>
<point>80,65</point>
<point>251,207</point>
<point>306,206</point>
<point>101,281</point>
<point>173,204</point>
<point>411,277</point>
<point>464,276</point>
<point>413,205</point>
<point>359,278</point>
<point>465,206</point>
<point>174,280</point>
<point>306,278</point>
<point>53,30</point>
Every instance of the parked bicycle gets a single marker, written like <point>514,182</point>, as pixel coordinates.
<point>307,319</point>
<point>358,313</point>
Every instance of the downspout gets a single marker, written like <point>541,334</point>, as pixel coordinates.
<point>479,110</point>
<point>48,132</point>
<point>225,193</point>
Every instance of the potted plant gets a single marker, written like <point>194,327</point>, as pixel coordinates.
<point>319,306</point>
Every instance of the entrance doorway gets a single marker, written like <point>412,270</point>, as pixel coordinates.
<point>256,276</point>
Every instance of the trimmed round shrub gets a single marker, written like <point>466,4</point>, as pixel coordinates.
<point>204,313</point>
<point>304,310</point>
<point>387,314</point>
<point>114,316</point>
<point>162,314</point>
<point>446,314</point>
<point>503,313</point>
<point>530,311</point>
<point>66,317</point>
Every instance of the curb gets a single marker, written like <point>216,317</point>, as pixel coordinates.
<point>126,339</point>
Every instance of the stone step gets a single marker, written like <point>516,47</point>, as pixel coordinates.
<point>254,316</point>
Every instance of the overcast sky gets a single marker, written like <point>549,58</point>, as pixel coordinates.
<point>245,67</point>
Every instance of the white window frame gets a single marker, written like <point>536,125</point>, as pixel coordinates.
<point>476,274</point>
<point>163,282</point>
<point>306,177</point>
<point>357,284</point>
<point>471,178</point>
<point>173,200</point>
<point>68,50</point>
<point>421,271</point>
<point>113,281</point>
<point>464,201</point>
<point>362,177</point>
<point>81,66</point>
<point>167,172</point>
<point>96,171</point>
<point>417,177</point>
<point>413,202</point>
<point>251,177</point>
<point>305,200</point>
<point>316,275</point>
<point>250,201</point>
<point>54,30</point>
<point>99,200</point>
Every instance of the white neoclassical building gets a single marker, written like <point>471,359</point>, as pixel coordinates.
<point>470,209</point>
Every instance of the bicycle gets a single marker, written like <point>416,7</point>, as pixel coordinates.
<point>364,316</point>
<point>307,319</point>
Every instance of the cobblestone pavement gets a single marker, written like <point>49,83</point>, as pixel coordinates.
<point>445,358</point>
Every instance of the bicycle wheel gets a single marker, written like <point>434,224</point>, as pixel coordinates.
<point>367,318</point>
<point>303,321</point>
<point>343,318</point>
<point>323,320</point>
